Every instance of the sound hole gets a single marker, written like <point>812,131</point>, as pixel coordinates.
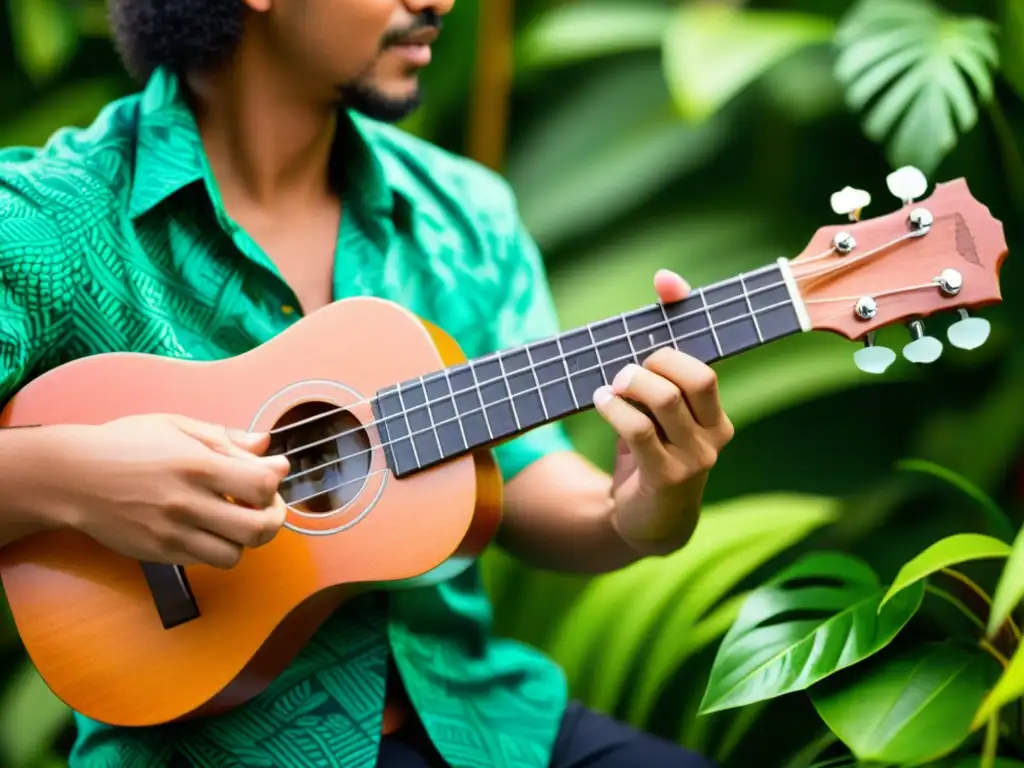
<point>329,453</point>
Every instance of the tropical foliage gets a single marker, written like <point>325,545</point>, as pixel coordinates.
<point>850,596</point>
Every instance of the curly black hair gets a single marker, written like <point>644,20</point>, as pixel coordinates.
<point>181,35</point>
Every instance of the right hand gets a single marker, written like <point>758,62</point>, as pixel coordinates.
<point>168,489</point>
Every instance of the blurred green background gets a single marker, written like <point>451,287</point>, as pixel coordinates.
<point>705,137</point>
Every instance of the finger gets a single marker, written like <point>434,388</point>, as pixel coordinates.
<point>697,382</point>
<point>201,547</point>
<point>238,525</point>
<point>670,287</point>
<point>664,400</point>
<point>247,482</point>
<point>638,431</point>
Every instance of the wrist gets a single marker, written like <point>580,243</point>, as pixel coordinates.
<point>36,466</point>
<point>655,530</point>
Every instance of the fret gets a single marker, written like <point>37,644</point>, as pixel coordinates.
<point>501,419</point>
<point>583,366</point>
<point>568,375</point>
<point>711,323</point>
<point>426,443</point>
<point>776,313</point>
<point>524,388</point>
<point>444,419</point>
<point>536,381</point>
<point>648,332</point>
<point>430,416</point>
<point>394,431</point>
<point>750,308</point>
<point>468,405</point>
<point>731,322</point>
<point>550,370</point>
<point>690,330</point>
<point>508,389</point>
<point>408,427</point>
<point>613,347</point>
<point>455,412</point>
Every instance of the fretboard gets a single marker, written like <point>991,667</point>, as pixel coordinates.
<point>443,415</point>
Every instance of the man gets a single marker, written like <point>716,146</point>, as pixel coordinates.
<point>252,182</point>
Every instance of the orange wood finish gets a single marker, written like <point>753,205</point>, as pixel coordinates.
<point>85,613</point>
<point>964,237</point>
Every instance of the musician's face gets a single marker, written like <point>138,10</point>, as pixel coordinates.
<point>369,52</point>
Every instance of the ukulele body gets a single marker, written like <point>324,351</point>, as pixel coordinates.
<point>86,614</point>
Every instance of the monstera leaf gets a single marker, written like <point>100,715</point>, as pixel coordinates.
<point>918,63</point>
<point>818,616</point>
<point>908,709</point>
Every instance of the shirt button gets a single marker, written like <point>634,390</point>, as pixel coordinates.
<point>287,309</point>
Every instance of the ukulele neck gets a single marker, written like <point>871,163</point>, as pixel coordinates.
<point>491,399</point>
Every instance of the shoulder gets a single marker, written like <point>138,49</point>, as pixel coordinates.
<point>78,176</point>
<point>441,180</point>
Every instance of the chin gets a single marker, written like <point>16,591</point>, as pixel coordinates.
<point>385,102</point>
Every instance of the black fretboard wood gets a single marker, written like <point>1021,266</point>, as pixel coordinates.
<point>485,401</point>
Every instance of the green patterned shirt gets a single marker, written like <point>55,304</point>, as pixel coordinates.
<point>114,238</point>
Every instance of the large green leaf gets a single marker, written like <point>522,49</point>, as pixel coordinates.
<point>952,550</point>
<point>575,32</point>
<point>1013,44</point>
<point>818,616</point>
<point>908,709</point>
<point>30,717</point>
<point>1010,588</point>
<point>918,62</point>
<point>621,612</point>
<point>713,51</point>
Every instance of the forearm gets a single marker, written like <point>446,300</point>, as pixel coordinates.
<point>560,515</point>
<point>27,473</point>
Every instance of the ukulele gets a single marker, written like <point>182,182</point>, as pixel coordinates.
<point>392,483</point>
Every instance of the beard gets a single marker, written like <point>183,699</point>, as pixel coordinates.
<point>363,98</point>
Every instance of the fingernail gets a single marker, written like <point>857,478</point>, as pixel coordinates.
<point>621,381</point>
<point>603,396</point>
<point>240,435</point>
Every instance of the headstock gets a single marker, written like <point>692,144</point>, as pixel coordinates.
<point>940,254</point>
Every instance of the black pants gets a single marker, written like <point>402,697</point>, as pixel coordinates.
<point>585,740</point>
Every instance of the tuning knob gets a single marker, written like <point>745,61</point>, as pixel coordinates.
<point>923,349</point>
<point>907,183</point>
<point>849,202</point>
<point>969,332</point>
<point>873,358</point>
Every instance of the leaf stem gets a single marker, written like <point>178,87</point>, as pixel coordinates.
<point>994,652</point>
<point>943,594</point>
<point>805,757</point>
<point>988,754</point>
<point>981,594</point>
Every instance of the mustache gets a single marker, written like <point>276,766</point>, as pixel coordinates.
<point>428,19</point>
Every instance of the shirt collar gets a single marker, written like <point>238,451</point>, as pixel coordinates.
<point>169,156</point>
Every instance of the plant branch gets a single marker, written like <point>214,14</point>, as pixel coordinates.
<point>805,757</point>
<point>943,594</point>
<point>981,594</point>
<point>988,754</point>
<point>491,89</point>
<point>994,652</point>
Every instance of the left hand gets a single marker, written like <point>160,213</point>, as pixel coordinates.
<point>663,463</point>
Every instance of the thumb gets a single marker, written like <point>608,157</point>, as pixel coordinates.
<point>670,286</point>
<point>253,442</point>
<point>222,439</point>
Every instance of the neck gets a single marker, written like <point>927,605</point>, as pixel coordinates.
<point>491,399</point>
<point>268,144</point>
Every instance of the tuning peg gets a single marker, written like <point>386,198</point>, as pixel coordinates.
<point>923,349</point>
<point>873,359</point>
<point>969,332</point>
<point>907,183</point>
<point>850,202</point>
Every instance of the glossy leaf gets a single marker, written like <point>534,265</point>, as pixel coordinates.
<point>1012,51</point>
<point>907,709</point>
<point>576,32</point>
<point>1009,688</point>
<point>815,618</point>
<point>975,761</point>
<point>921,67</point>
<point>623,611</point>
<point>998,522</point>
<point>713,51</point>
<point>1010,588</point>
<point>952,550</point>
